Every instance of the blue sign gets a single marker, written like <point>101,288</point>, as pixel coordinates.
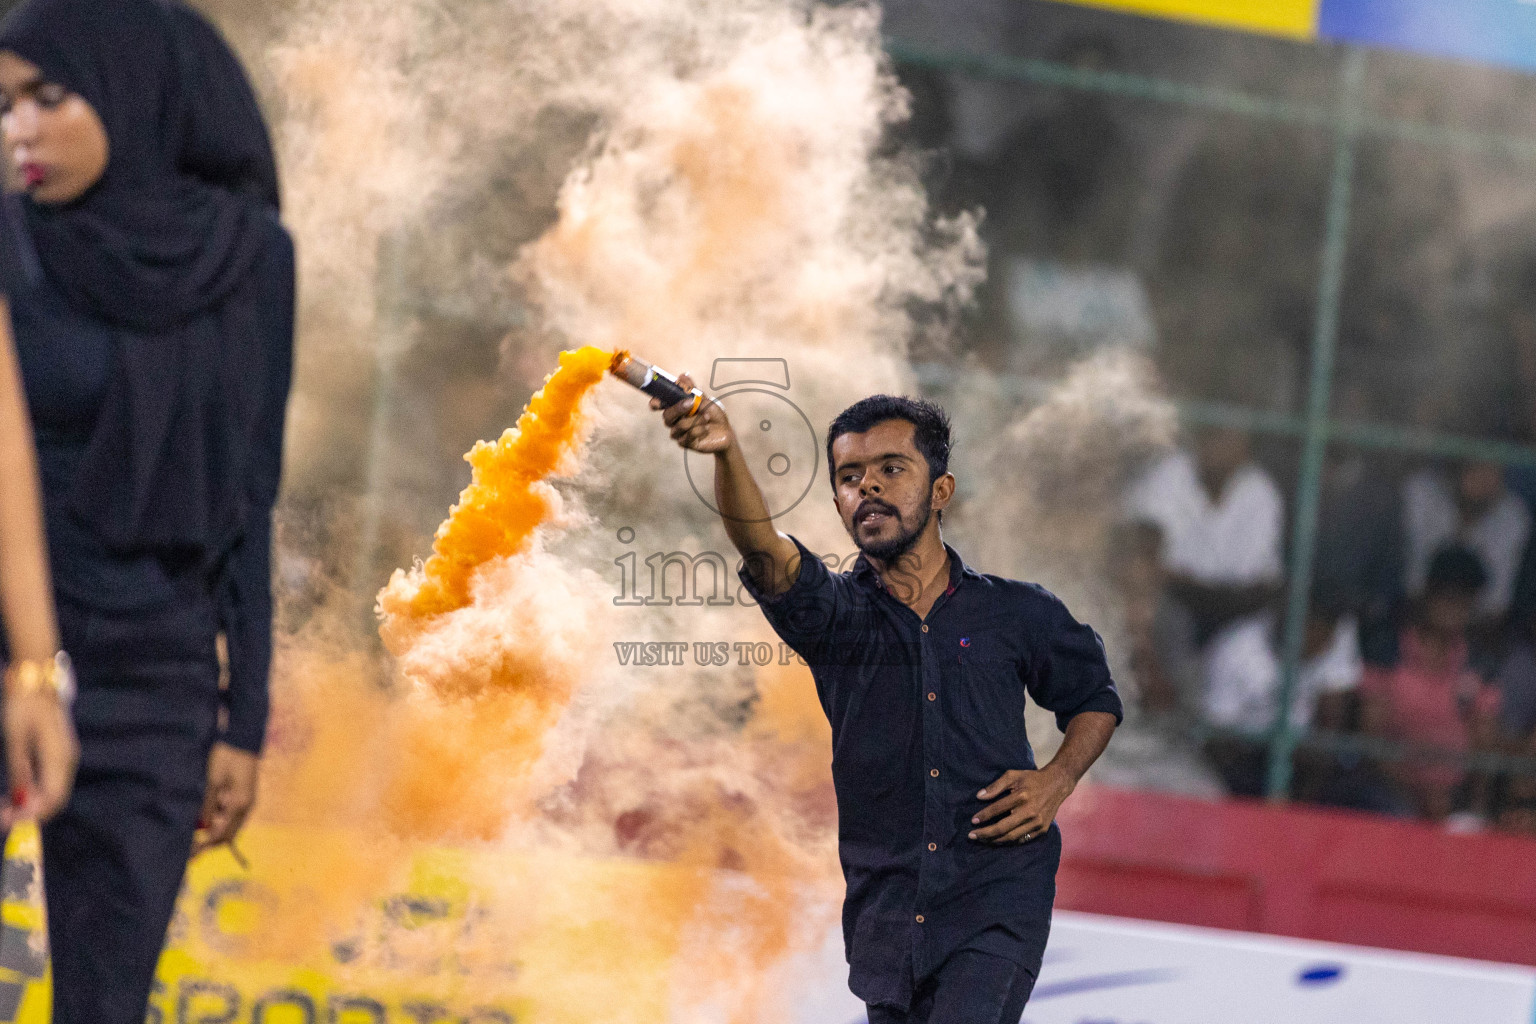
<point>1491,31</point>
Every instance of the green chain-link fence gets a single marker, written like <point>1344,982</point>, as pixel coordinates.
<point>1349,123</point>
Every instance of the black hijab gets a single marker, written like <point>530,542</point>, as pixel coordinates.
<point>163,250</point>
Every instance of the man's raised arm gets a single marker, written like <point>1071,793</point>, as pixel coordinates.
<point>771,557</point>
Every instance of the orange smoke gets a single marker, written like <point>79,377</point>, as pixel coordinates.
<point>741,819</point>
<point>505,501</point>
<point>464,751</point>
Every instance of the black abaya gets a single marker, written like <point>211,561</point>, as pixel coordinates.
<point>156,347</point>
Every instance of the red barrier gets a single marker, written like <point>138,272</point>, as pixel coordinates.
<point>1304,872</point>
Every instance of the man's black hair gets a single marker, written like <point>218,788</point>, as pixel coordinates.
<point>930,431</point>
<point>1457,570</point>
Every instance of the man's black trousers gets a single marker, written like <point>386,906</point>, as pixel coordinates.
<point>971,988</point>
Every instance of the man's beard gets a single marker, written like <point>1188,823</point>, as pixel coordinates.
<point>888,551</point>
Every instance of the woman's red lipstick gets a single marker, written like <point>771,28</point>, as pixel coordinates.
<point>33,175</point>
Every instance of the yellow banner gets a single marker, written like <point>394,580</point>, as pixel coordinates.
<point>24,992</point>
<point>1294,18</point>
<point>311,933</point>
<point>437,950</point>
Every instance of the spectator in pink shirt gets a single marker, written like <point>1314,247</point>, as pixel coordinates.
<point>1432,698</point>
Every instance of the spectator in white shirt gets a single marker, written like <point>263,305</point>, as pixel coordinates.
<point>1471,507</point>
<point>1243,670</point>
<point>1220,521</point>
<point>1213,522</point>
<point>1243,682</point>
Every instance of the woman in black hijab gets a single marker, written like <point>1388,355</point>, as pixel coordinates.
<point>156,352</point>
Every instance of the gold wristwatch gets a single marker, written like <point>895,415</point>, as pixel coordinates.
<point>55,676</point>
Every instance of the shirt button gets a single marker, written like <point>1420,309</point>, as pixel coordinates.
<point>919,918</point>
<point>934,772</point>
<point>933,696</point>
<point>925,627</point>
<point>932,847</point>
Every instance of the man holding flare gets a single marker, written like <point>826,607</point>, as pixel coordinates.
<point>946,827</point>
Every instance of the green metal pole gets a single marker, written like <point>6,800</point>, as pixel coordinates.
<point>1324,345</point>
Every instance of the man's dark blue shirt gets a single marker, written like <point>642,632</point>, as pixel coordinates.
<point>925,714</point>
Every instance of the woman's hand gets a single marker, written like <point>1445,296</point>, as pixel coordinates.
<point>41,753</point>
<point>231,795</point>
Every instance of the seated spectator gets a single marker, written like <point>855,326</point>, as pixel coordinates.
<point>1165,673</point>
<point>1360,542</point>
<point>1514,804</point>
<point>1517,690</point>
<point>1243,680</point>
<point>1219,520</point>
<point>1163,657</point>
<point>1211,524</point>
<point>1471,508</point>
<point>1431,697</point>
